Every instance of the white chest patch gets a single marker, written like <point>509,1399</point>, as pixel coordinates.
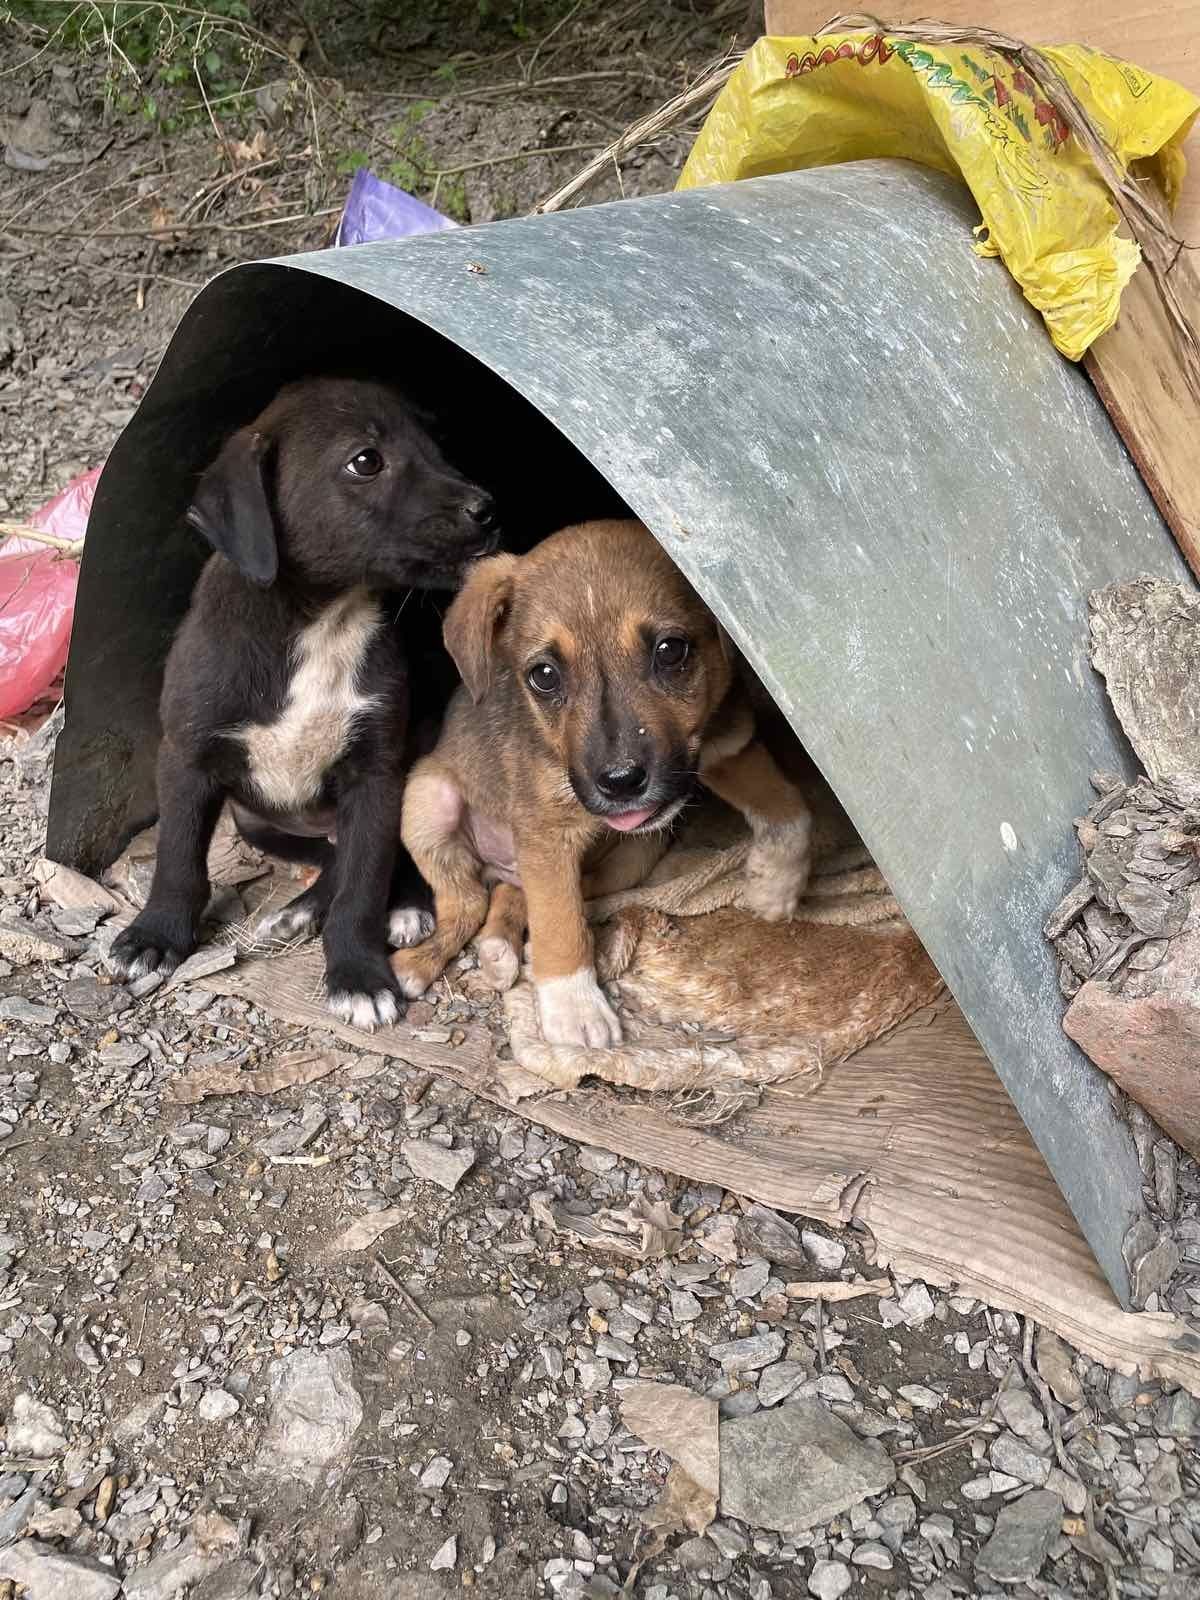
<point>288,758</point>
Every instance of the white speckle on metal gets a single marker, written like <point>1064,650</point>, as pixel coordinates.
<point>1008,837</point>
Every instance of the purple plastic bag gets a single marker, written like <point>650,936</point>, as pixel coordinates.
<point>378,210</point>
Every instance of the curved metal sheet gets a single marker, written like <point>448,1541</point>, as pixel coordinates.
<point>851,434</point>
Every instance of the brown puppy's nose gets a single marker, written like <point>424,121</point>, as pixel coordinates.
<point>621,783</point>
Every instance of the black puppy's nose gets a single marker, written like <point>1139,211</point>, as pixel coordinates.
<point>621,783</point>
<point>480,507</point>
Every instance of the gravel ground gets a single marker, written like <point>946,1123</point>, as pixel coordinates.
<point>209,1389</point>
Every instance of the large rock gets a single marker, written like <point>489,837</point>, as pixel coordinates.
<point>50,1574</point>
<point>315,1413</point>
<point>796,1467</point>
<point>1022,1537</point>
<point>1147,1037</point>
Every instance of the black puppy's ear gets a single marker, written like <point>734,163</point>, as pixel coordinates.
<point>232,508</point>
<point>473,622</point>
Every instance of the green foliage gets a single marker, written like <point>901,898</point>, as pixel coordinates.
<point>163,56</point>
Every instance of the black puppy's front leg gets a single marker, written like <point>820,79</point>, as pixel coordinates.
<point>361,986</point>
<point>165,931</point>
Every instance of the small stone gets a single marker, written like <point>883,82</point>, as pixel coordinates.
<point>34,1429</point>
<point>822,1251</point>
<point>1162,1481</point>
<point>684,1306</point>
<point>22,943</point>
<point>793,1467</point>
<point>50,1574</point>
<point>214,958</point>
<point>179,1570</point>
<point>915,1305</point>
<point>750,1281</point>
<point>1054,1362</point>
<point>1176,1415</point>
<point>447,1556</point>
<point>829,1580</point>
<point>834,1387</point>
<point>1021,1416</point>
<point>217,1405</point>
<point>919,1396</point>
<point>13,1008</point>
<point>446,1168</point>
<point>437,1472</point>
<point>873,1554</point>
<point>748,1355</point>
<point>781,1380</point>
<point>1012,1455</point>
<point>93,1001</point>
<point>1021,1540</point>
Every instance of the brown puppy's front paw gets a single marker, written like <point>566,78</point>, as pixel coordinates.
<point>416,969</point>
<point>575,1011</point>
<point>777,872</point>
<point>499,962</point>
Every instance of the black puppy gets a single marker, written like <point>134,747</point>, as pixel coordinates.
<point>286,690</point>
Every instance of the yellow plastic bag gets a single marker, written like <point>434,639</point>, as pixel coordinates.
<point>969,112</point>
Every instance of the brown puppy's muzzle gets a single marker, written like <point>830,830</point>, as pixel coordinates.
<point>634,786</point>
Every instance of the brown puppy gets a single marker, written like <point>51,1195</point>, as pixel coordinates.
<point>598,691</point>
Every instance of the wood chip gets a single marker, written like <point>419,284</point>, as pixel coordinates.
<point>838,1291</point>
<point>305,1066</point>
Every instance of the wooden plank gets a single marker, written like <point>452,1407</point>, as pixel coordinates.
<point>1134,366</point>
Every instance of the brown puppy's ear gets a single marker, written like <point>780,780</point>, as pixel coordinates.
<point>232,508</point>
<point>473,622</point>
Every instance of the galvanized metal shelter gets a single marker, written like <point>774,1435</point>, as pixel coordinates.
<point>852,435</point>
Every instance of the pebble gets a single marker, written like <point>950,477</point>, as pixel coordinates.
<point>436,1164</point>
<point>829,1580</point>
<point>919,1396</point>
<point>780,1380</point>
<point>436,1473</point>
<point>217,1405</point>
<point>447,1556</point>
<point>748,1355</point>
<point>34,1429</point>
<point>873,1554</point>
<point>50,1574</point>
<point>13,1008</point>
<point>1020,1543</point>
<point>822,1251</point>
<point>1019,1460</point>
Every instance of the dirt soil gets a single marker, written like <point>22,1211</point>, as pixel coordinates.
<point>206,1390</point>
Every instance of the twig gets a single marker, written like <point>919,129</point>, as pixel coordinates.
<point>166,229</point>
<point>397,1288</point>
<point>21,530</point>
<point>1139,207</point>
<point>706,87</point>
<point>819,1304</point>
<point>510,155</point>
<point>546,37</point>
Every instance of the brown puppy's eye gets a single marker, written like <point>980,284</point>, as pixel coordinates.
<point>366,464</point>
<point>544,678</point>
<point>670,652</point>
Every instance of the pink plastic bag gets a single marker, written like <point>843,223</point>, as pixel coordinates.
<point>37,598</point>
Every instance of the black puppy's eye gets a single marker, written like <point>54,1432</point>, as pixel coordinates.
<point>670,652</point>
<point>366,464</point>
<point>544,678</point>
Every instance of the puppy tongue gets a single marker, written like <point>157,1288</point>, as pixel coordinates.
<point>629,820</point>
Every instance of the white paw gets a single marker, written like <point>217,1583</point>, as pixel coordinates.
<point>366,1011</point>
<point>409,926</point>
<point>288,923</point>
<point>774,894</point>
<point>499,963</point>
<point>575,1011</point>
<point>777,869</point>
